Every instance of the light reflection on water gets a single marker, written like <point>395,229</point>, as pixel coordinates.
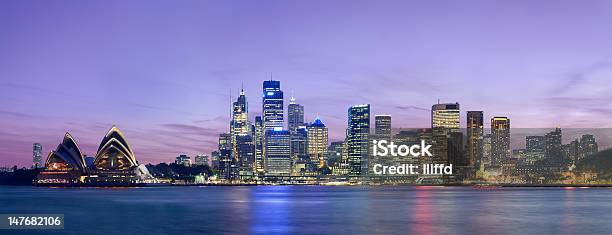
<point>319,210</point>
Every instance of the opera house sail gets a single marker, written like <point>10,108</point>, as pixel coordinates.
<point>64,165</point>
<point>114,164</point>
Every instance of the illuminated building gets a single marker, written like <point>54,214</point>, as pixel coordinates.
<point>37,155</point>
<point>239,125</point>
<point>317,141</point>
<point>272,105</point>
<point>64,165</point>
<point>444,121</point>
<point>201,159</point>
<point>445,116</point>
<point>259,135</point>
<point>295,115</point>
<point>358,139</point>
<point>587,147</point>
<point>475,133</point>
<point>500,140</point>
<point>226,162</point>
<point>183,159</point>
<point>382,127</point>
<point>114,164</point>
<point>278,152</point>
<point>299,151</point>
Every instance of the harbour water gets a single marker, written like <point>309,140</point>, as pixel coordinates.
<point>316,210</point>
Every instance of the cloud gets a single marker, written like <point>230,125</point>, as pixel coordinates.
<point>411,107</point>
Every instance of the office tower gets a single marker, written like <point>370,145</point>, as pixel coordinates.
<point>535,144</point>
<point>317,141</point>
<point>239,125</point>
<point>445,115</point>
<point>500,140</point>
<point>486,151</point>
<point>226,163</point>
<point>382,127</point>
<point>300,159</point>
<point>335,151</point>
<point>444,121</point>
<point>553,146</point>
<point>588,146</point>
<point>37,155</point>
<point>183,159</point>
<point>475,133</point>
<point>295,115</point>
<point>299,144</point>
<point>272,105</point>
<point>259,156</point>
<point>278,152</point>
<point>358,138</point>
<point>201,159</point>
<point>245,150</point>
<point>214,160</point>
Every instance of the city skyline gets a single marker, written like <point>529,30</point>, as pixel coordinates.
<point>169,87</point>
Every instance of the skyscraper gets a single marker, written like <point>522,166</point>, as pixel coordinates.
<point>239,125</point>
<point>445,115</point>
<point>475,133</point>
<point>259,135</point>
<point>552,146</point>
<point>37,156</point>
<point>226,162</point>
<point>278,152</point>
<point>317,141</point>
<point>444,121</point>
<point>500,140</point>
<point>382,127</point>
<point>357,138</point>
<point>588,146</point>
<point>295,115</point>
<point>272,105</point>
<point>201,159</point>
<point>183,159</point>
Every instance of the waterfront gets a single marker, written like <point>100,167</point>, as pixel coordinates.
<point>318,209</point>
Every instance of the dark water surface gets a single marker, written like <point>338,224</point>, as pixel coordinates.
<point>317,210</point>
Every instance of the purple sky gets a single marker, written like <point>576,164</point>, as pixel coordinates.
<point>162,70</point>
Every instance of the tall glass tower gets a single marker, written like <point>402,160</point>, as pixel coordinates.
<point>475,133</point>
<point>295,115</point>
<point>357,138</point>
<point>272,110</point>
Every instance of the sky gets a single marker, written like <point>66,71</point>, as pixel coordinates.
<point>164,71</point>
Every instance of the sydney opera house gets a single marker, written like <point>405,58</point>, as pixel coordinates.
<point>114,164</point>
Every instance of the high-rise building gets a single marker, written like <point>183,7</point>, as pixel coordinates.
<point>445,115</point>
<point>183,159</point>
<point>317,141</point>
<point>239,125</point>
<point>475,133</point>
<point>37,156</point>
<point>553,146</point>
<point>588,146</point>
<point>382,127</point>
<point>444,121</point>
<point>201,159</point>
<point>295,115</point>
<point>245,151</point>
<point>299,144</point>
<point>335,153</point>
<point>500,140</point>
<point>226,162</point>
<point>259,135</point>
<point>278,152</point>
<point>535,144</point>
<point>272,105</point>
<point>358,138</point>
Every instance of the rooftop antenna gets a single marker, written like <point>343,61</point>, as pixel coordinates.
<point>438,100</point>
<point>270,76</point>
